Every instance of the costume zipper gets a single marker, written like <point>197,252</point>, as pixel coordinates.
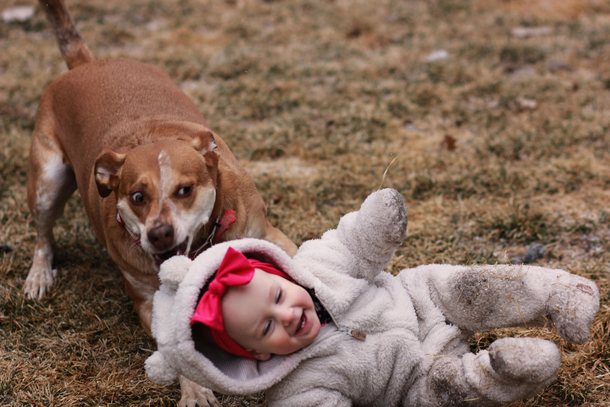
<point>354,333</point>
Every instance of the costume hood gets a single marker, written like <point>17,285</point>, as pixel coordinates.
<point>204,362</point>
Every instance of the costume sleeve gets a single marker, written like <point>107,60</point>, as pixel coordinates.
<point>316,397</point>
<point>365,241</point>
<point>480,298</point>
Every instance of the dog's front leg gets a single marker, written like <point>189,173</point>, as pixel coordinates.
<point>195,395</point>
<point>41,275</point>
<point>51,182</point>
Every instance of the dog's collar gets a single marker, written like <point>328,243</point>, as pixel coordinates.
<point>219,227</point>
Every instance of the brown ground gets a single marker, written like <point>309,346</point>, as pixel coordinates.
<point>503,144</point>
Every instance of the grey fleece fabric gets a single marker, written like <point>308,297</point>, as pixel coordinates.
<point>417,323</point>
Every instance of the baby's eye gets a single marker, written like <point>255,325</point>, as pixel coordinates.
<point>267,328</point>
<point>278,296</point>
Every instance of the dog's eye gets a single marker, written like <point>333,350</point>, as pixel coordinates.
<point>137,198</point>
<point>184,191</point>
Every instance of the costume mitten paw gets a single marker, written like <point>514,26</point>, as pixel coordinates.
<point>573,304</point>
<point>374,232</point>
<point>384,215</point>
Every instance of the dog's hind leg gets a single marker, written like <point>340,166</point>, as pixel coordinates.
<point>274,235</point>
<point>51,182</point>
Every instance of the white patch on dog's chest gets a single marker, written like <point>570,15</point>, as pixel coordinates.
<point>193,221</point>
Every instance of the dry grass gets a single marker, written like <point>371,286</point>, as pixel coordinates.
<point>503,144</point>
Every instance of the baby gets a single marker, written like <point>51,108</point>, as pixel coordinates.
<point>255,310</point>
<point>330,328</point>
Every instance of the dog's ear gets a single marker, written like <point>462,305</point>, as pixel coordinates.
<point>205,143</point>
<point>108,169</point>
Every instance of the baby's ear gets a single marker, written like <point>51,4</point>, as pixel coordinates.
<point>259,356</point>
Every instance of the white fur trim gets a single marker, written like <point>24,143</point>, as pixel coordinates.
<point>173,271</point>
<point>158,370</point>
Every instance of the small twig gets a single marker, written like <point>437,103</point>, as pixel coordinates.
<point>520,314</point>
<point>500,350</point>
<point>386,171</point>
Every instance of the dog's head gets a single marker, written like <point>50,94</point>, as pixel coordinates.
<point>165,191</point>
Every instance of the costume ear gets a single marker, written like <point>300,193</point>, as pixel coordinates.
<point>107,170</point>
<point>205,143</point>
<point>158,370</point>
<point>174,270</point>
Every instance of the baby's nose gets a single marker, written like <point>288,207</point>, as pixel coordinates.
<point>287,315</point>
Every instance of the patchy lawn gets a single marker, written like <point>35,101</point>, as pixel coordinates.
<point>496,112</point>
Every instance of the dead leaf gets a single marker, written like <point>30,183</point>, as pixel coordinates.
<point>449,143</point>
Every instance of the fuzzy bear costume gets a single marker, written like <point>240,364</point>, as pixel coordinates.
<point>417,323</point>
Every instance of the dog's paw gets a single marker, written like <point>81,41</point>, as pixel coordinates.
<point>39,281</point>
<point>194,395</point>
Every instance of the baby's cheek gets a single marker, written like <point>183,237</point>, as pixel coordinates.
<point>282,345</point>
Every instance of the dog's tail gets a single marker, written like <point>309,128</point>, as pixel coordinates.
<point>71,45</point>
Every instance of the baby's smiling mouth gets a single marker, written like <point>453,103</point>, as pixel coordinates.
<point>301,325</point>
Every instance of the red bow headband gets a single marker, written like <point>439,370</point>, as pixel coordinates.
<point>235,270</point>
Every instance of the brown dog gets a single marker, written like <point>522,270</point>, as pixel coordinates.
<point>154,179</point>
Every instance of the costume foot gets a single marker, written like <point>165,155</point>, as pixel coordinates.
<point>573,304</point>
<point>527,360</point>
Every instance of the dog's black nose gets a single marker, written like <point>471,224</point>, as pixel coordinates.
<point>162,237</point>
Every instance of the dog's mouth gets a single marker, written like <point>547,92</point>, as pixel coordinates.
<point>176,251</point>
<point>196,246</point>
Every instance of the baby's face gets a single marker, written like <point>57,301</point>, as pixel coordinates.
<point>270,315</point>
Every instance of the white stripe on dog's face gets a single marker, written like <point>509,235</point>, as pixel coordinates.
<point>165,182</point>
